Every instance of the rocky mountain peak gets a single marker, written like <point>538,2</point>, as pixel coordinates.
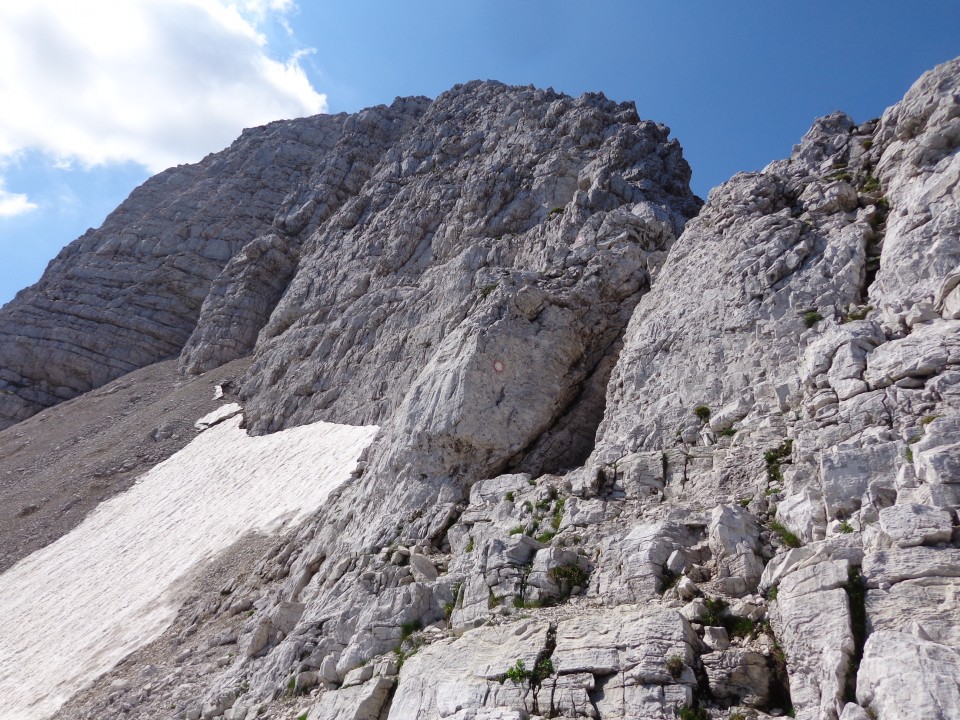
<point>638,456</point>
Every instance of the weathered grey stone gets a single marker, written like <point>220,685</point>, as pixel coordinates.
<point>803,514</point>
<point>896,565</point>
<point>894,662</point>
<point>733,534</point>
<point>129,293</point>
<point>927,351</point>
<point>218,416</point>
<point>453,674</point>
<point>811,620</point>
<point>910,525</point>
<point>738,676</point>
<point>423,569</point>
<point>630,567</point>
<point>360,702</point>
<point>852,711</point>
<point>847,472</point>
<point>716,638</point>
<point>926,607</point>
<point>447,262</point>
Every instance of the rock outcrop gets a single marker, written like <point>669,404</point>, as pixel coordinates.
<point>129,293</point>
<point>635,460</point>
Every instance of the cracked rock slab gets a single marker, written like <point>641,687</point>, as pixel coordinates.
<point>893,662</point>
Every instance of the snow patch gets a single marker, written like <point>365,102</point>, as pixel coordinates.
<point>218,416</point>
<point>72,610</point>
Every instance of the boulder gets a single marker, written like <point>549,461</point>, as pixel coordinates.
<point>893,661</point>
<point>910,525</point>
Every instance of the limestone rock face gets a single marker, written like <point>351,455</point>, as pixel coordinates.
<point>634,461</point>
<point>594,676</point>
<point>478,282</point>
<point>128,294</point>
<point>894,661</point>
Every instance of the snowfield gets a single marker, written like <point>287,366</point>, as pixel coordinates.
<point>72,610</point>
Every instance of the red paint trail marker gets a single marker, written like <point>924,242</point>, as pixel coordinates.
<point>498,366</point>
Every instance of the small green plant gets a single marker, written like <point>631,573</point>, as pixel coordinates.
<point>846,528</point>
<point>740,627</point>
<point>737,716</point>
<point>771,593</point>
<point>569,573</point>
<point>866,145</point>
<point>519,674</point>
<point>702,412</point>
<point>302,716</point>
<point>775,457</point>
<point>840,173</point>
<point>509,496</point>
<point>469,547</point>
<point>715,610</point>
<point>787,536</point>
<point>675,666</point>
<point>927,419</point>
<point>487,289</point>
<point>727,432</point>
<point>811,318</point>
<point>909,454</point>
<point>527,506</point>
<point>745,502</point>
<point>668,579</point>
<point>693,712</point>
<point>546,536</point>
<point>558,513</point>
<point>517,530</point>
<point>449,607</point>
<point>402,655</point>
<point>542,669</point>
<point>555,211</point>
<point>493,600</point>
<point>409,628</point>
<point>858,314</point>
<point>871,184</point>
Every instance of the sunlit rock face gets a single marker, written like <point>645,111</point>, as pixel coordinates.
<point>637,458</point>
<point>128,294</point>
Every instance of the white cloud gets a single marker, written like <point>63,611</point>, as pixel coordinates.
<point>157,82</point>
<point>12,204</point>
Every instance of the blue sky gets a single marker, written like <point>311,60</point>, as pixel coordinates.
<point>96,98</point>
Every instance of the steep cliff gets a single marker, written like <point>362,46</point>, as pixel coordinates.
<point>129,293</point>
<point>635,460</point>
